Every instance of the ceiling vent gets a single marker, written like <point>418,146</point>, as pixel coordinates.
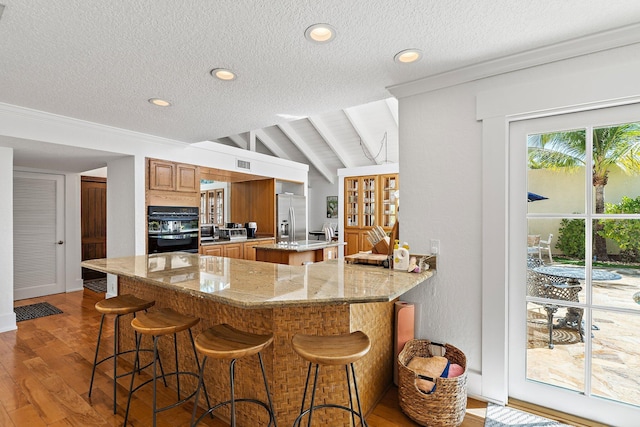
<point>243,164</point>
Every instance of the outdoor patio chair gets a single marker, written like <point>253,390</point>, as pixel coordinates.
<point>555,288</point>
<point>536,246</point>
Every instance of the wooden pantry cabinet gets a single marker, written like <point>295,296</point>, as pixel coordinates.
<point>368,201</point>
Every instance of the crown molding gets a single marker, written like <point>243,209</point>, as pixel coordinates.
<point>71,124</point>
<point>593,43</point>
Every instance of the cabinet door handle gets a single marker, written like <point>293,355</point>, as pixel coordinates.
<point>59,242</point>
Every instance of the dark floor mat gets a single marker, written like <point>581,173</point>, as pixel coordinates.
<point>97,285</point>
<point>33,311</point>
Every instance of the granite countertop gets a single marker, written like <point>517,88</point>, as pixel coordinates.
<point>225,242</point>
<point>300,245</point>
<point>253,284</point>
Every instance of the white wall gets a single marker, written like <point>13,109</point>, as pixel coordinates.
<point>7,316</point>
<point>319,189</point>
<point>453,158</point>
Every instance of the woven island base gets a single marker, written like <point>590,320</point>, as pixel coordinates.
<point>446,405</point>
<point>286,371</point>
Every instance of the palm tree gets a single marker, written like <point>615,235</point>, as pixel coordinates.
<point>615,146</point>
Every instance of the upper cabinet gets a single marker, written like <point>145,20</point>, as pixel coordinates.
<point>212,207</point>
<point>172,184</point>
<point>170,176</point>
<point>187,178</point>
<point>162,175</point>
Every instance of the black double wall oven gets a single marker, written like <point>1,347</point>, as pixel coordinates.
<point>173,229</point>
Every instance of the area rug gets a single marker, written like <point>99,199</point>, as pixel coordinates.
<point>96,285</point>
<point>501,416</point>
<point>33,311</point>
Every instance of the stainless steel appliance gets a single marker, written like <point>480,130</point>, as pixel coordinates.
<point>233,233</point>
<point>292,217</point>
<point>209,232</point>
<point>172,228</point>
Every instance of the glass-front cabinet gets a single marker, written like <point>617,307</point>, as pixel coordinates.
<point>352,202</point>
<point>369,201</point>
<point>389,184</point>
<point>212,207</point>
<point>216,206</point>
<point>361,201</point>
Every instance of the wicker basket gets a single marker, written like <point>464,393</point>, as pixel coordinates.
<point>447,405</point>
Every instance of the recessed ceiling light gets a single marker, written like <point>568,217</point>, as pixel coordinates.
<point>159,102</point>
<point>223,74</point>
<point>407,56</point>
<point>320,33</point>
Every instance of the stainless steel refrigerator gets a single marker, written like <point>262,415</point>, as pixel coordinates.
<point>292,217</point>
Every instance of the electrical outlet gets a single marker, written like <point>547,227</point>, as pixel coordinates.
<point>435,246</point>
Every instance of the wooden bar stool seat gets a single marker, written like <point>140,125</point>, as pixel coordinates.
<point>345,349</point>
<point>225,342</point>
<point>159,323</point>
<point>119,306</point>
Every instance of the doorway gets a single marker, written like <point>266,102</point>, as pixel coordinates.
<point>38,235</point>
<point>93,223</point>
<point>573,317</point>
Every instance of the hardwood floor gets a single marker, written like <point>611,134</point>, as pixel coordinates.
<point>45,367</point>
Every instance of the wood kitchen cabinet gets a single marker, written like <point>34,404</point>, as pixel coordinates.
<point>211,250</point>
<point>162,175</point>
<point>356,241</point>
<point>240,250</point>
<point>368,201</point>
<point>250,248</point>
<point>233,250</point>
<point>187,178</point>
<point>389,187</point>
<point>169,176</point>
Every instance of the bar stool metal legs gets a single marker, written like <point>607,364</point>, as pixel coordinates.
<point>119,306</point>
<point>331,350</point>
<point>164,322</point>
<point>226,342</point>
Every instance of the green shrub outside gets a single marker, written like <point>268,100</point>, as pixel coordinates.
<point>571,238</point>
<point>625,232</point>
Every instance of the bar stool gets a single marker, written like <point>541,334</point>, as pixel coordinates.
<point>225,342</point>
<point>158,323</point>
<point>120,306</point>
<point>342,349</point>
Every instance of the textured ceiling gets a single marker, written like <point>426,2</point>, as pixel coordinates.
<point>100,61</point>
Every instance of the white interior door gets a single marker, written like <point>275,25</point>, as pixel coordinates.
<point>38,232</point>
<point>594,376</point>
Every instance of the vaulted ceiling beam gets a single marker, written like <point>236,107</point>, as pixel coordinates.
<point>299,142</point>
<point>239,141</point>
<point>323,129</point>
<point>359,125</point>
<point>271,144</point>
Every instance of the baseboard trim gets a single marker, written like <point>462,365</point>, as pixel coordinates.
<point>8,322</point>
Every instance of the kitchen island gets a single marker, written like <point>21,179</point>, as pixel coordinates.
<point>297,253</point>
<point>330,297</point>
